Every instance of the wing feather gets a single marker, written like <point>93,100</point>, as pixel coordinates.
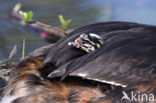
<point>98,28</point>
<point>126,57</point>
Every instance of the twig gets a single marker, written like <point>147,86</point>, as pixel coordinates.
<point>17,7</point>
<point>38,26</point>
<point>13,52</point>
<point>52,27</point>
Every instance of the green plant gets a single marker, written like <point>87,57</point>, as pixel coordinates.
<point>64,23</point>
<point>23,49</point>
<point>27,17</point>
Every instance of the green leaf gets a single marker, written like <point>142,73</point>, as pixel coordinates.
<point>21,13</point>
<point>64,23</point>
<point>68,22</point>
<point>29,16</point>
<point>26,17</point>
<point>61,19</point>
<point>24,14</point>
<point>23,22</point>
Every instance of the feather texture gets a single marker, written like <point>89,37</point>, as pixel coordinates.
<point>127,55</point>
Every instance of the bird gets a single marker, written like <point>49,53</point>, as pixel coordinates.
<point>98,63</point>
<point>128,50</point>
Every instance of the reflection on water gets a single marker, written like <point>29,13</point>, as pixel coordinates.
<point>82,12</point>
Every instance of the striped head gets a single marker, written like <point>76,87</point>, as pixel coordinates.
<point>87,42</point>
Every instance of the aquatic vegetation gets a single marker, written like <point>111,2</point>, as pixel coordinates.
<point>27,16</point>
<point>23,49</point>
<point>64,23</point>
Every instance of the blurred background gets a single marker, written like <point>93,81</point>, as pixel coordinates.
<point>82,12</point>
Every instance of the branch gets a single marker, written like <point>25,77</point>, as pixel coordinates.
<point>38,26</point>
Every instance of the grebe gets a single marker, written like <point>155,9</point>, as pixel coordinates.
<point>97,63</point>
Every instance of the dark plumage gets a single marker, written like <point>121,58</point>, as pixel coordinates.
<point>126,59</point>
<point>127,55</point>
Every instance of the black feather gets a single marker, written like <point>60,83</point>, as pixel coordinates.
<point>126,46</point>
<point>98,28</point>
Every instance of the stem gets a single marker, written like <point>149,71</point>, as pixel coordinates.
<point>52,27</point>
<point>23,49</point>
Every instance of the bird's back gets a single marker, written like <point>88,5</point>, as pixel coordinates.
<point>126,58</point>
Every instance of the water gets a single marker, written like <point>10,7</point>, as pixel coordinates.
<point>82,12</point>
